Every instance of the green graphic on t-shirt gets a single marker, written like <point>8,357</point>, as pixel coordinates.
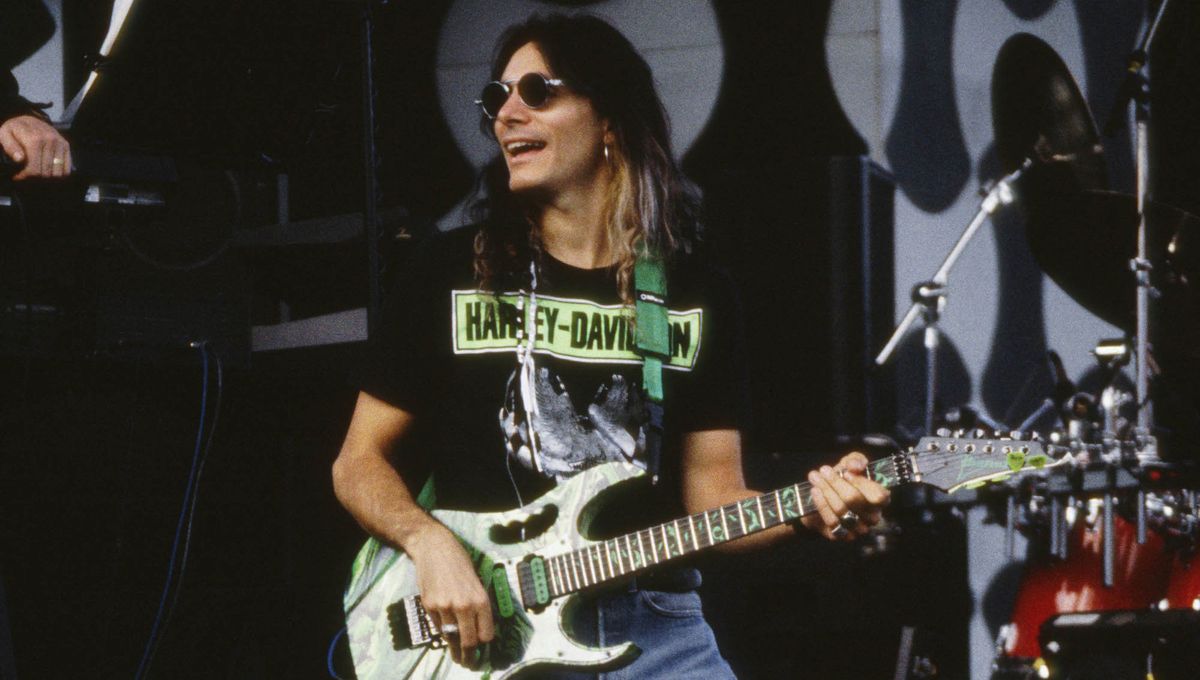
<point>578,330</point>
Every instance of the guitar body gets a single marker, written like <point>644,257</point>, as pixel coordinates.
<point>526,639</point>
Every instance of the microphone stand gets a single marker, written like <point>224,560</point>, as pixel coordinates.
<point>929,297</point>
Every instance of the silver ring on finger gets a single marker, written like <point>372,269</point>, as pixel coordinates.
<point>839,532</point>
<point>449,629</point>
<point>848,520</point>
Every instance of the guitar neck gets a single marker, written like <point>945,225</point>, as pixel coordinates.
<point>606,561</point>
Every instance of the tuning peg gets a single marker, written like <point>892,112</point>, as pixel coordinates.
<point>1016,435</point>
<point>958,434</point>
<point>1035,436</point>
<point>944,432</point>
<point>979,433</point>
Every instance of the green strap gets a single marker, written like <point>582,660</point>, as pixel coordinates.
<point>428,496</point>
<point>653,340</point>
<point>653,343</point>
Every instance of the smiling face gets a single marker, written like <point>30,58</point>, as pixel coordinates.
<point>557,148</point>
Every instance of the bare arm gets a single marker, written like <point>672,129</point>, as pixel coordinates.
<point>367,484</point>
<point>712,476</point>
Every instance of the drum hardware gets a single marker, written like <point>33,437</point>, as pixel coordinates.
<point>1121,643</point>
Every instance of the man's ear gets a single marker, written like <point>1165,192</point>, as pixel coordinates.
<point>610,137</point>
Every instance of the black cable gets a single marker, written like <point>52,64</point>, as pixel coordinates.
<point>185,513</point>
<point>187,541</point>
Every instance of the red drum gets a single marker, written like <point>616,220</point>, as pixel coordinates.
<point>1077,583</point>
<point>1183,592</point>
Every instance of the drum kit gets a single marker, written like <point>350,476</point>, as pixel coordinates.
<point>1117,530</point>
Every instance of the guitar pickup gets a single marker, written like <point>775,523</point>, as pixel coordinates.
<point>535,588</point>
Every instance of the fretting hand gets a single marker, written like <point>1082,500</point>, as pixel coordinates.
<point>848,503</point>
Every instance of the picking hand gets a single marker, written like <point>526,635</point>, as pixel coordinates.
<point>452,593</point>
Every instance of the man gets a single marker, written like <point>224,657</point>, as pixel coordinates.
<point>508,343</point>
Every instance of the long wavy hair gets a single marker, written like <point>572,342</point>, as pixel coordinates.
<point>650,207</point>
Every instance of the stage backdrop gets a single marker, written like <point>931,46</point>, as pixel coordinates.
<point>915,77</point>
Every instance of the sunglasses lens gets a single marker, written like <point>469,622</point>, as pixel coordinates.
<point>534,90</point>
<point>492,98</point>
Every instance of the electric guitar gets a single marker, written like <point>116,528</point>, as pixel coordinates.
<point>531,582</point>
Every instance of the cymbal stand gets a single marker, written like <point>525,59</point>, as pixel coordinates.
<point>1135,90</point>
<point>929,297</point>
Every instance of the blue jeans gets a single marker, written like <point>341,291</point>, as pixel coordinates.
<point>668,627</point>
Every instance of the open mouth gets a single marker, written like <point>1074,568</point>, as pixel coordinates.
<point>523,147</point>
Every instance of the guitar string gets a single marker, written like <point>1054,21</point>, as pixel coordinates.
<point>931,462</point>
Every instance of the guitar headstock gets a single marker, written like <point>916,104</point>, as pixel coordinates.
<point>953,463</point>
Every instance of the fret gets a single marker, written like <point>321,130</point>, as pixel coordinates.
<point>608,559</point>
<point>550,577</point>
<point>718,532</point>
<point>589,569</point>
<point>755,520</point>
<point>641,549</point>
<point>778,507</point>
<point>574,570</point>
<point>595,559</point>
<point>562,566</point>
<point>632,562</point>
<point>683,536</point>
<point>734,524</point>
<point>724,525</point>
<point>583,572</point>
<point>806,504</point>
<point>741,518</point>
<point>762,517</point>
<point>600,564</point>
<point>708,528</point>
<point>653,547</point>
<point>791,502</point>
<point>662,528</point>
<point>692,526</point>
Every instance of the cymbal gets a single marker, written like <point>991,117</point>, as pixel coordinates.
<point>1084,239</point>
<point>1039,113</point>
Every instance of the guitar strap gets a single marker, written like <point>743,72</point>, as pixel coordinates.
<point>428,497</point>
<point>653,343</point>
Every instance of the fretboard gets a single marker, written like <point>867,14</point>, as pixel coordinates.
<point>615,558</point>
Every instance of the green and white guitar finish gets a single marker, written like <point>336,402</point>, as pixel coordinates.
<point>533,582</point>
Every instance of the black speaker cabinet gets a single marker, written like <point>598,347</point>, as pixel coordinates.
<point>811,249</point>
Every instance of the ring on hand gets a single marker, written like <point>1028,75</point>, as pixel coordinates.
<point>449,629</point>
<point>840,531</point>
<point>849,520</point>
<point>56,161</point>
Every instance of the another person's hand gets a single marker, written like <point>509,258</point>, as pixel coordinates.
<point>33,142</point>
<point>451,592</point>
<point>848,503</point>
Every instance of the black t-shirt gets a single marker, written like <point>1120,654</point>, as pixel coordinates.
<point>447,352</point>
